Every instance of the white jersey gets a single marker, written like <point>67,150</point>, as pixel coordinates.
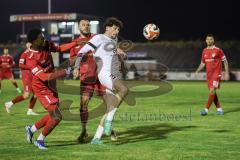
<point>104,49</point>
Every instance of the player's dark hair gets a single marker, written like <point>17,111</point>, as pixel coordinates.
<point>33,34</point>
<point>210,35</point>
<point>113,21</point>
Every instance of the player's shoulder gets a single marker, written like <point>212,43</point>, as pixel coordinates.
<point>218,48</point>
<point>25,52</point>
<point>9,56</point>
<point>30,54</point>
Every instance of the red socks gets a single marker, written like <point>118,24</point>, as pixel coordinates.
<point>210,100</point>
<point>50,125</point>
<point>216,101</point>
<point>213,98</point>
<point>84,115</point>
<point>17,99</point>
<point>42,122</point>
<point>32,102</point>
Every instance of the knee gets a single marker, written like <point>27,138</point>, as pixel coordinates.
<point>212,91</point>
<point>26,95</point>
<point>84,102</point>
<point>59,117</point>
<point>124,91</point>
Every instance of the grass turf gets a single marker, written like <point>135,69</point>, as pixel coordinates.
<point>164,126</point>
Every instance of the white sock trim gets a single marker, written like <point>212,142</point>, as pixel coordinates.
<point>41,137</point>
<point>111,114</point>
<point>33,129</point>
<point>99,132</point>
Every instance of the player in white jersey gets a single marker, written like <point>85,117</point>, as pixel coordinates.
<point>108,57</point>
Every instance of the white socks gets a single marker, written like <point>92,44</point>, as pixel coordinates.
<point>99,132</point>
<point>40,137</point>
<point>219,109</point>
<point>111,114</point>
<point>33,129</point>
<point>206,110</point>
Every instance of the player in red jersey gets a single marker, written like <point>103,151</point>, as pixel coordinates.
<point>26,80</point>
<point>212,58</point>
<point>39,61</point>
<point>88,77</point>
<point>6,64</point>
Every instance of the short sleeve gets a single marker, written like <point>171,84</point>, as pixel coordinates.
<point>222,55</point>
<point>22,59</point>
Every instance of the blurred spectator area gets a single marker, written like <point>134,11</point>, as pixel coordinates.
<point>154,59</point>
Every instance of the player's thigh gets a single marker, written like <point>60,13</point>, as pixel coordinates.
<point>214,83</point>
<point>120,86</point>
<point>86,91</point>
<point>85,98</point>
<point>106,79</point>
<point>100,89</point>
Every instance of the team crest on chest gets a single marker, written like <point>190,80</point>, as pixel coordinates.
<point>213,55</point>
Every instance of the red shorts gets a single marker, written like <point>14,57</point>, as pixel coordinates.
<point>90,87</point>
<point>47,97</point>
<point>214,83</point>
<point>27,82</point>
<point>6,75</point>
<point>27,86</point>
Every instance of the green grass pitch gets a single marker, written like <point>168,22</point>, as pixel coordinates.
<point>167,126</point>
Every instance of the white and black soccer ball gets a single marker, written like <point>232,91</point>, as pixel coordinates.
<point>151,31</point>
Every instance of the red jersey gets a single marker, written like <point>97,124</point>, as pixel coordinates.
<point>212,58</point>
<point>39,62</point>
<point>41,65</point>
<point>88,67</point>
<point>26,74</point>
<point>6,63</point>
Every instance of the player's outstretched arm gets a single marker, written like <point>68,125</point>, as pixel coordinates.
<point>62,48</point>
<point>39,71</point>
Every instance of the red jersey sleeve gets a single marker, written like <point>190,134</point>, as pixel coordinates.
<point>62,48</point>
<point>222,55</point>
<point>11,62</point>
<point>38,71</point>
<point>22,61</point>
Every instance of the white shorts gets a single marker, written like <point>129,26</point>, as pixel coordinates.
<point>107,79</point>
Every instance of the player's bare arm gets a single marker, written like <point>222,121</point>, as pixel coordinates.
<point>225,62</point>
<point>200,67</point>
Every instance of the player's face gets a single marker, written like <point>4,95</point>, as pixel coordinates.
<point>40,40</point>
<point>5,51</point>
<point>84,27</point>
<point>112,31</point>
<point>210,41</point>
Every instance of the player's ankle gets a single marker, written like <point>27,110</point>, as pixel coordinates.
<point>206,110</point>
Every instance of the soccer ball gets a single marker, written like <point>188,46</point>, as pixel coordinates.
<point>151,31</point>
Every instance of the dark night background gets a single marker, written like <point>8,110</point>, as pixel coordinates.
<point>178,20</point>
